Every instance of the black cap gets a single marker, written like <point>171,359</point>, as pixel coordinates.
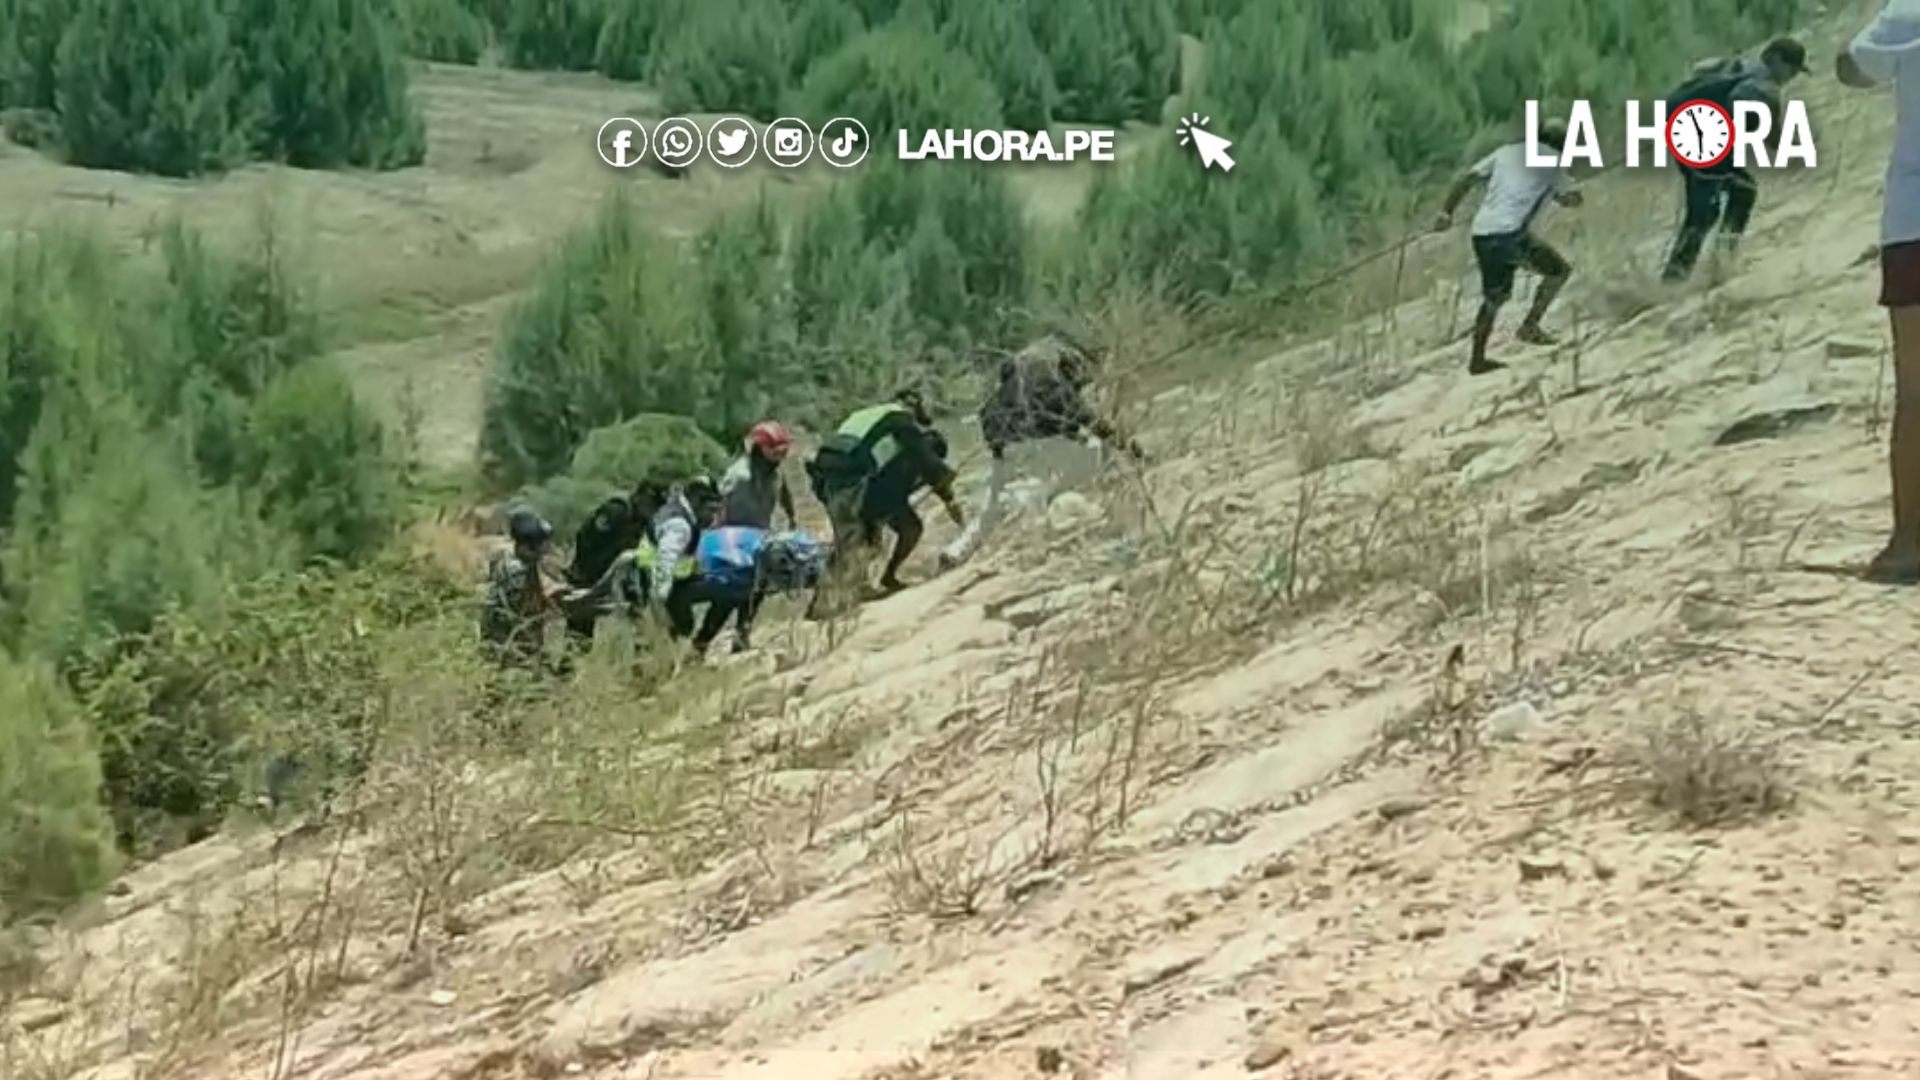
<point>1788,51</point>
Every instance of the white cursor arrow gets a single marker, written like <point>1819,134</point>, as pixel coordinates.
<point>1211,148</point>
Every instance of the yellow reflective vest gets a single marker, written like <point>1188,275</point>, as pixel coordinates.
<point>861,423</point>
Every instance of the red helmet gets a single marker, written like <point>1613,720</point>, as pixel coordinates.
<point>771,438</point>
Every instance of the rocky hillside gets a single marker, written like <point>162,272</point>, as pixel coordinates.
<point>1395,724</point>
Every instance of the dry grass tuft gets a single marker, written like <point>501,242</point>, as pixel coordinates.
<point>1710,774</point>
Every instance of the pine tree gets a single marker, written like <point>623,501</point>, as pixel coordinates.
<point>145,85</point>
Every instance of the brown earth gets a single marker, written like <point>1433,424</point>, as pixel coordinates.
<point>1344,852</point>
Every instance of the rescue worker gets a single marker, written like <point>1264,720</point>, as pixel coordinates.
<point>690,509</point>
<point>867,472</point>
<point>1504,239</point>
<point>518,598</point>
<point>610,530</point>
<point>753,485</point>
<point>1723,194</point>
<point>1041,394</point>
<point>739,567</point>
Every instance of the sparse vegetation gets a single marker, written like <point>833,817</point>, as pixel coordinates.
<point>1709,774</point>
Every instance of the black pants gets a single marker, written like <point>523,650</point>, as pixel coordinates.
<point>725,601</point>
<point>1500,258</point>
<point>1722,197</point>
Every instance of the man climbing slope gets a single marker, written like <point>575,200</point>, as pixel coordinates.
<point>689,510</point>
<point>753,485</point>
<point>1888,51</point>
<point>1041,394</point>
<point>1503,237</point>
<point>866,473</point>
<point>518,597</point>
<point>1723,194</point>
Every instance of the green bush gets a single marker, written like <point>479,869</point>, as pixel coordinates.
<point>649,448</point>
<point>29,52</point>
<point>998,36</point>
<point>612,328</point>
<point>723,56</point>
<point>900,77</point>
<point>558,34</point>
<point>56,843</point>
<point>148,85</point>
<point>1113,60</point>
<point>323,467</point>
<point>819,28</point>
<point>448,31</point>
<point>628,36</point>
<point>327,85</point>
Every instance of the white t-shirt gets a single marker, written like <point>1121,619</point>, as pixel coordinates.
<point>1888,50</point>
<point>1515,193</point>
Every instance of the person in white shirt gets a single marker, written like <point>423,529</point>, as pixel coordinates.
<point>1888,51</point>
<point>1503,239</point>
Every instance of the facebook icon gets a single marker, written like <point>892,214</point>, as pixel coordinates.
<point>622,142</point>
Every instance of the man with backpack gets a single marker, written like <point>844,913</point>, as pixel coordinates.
<point>867,472</point>
<point>1723,194</point>
<point>1504,240</point>
<point>738,567</point>
<point>1040,394</point>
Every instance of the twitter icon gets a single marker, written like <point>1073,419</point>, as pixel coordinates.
<point>731,142</point>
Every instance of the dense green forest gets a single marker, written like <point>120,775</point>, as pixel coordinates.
<point>197,563</point>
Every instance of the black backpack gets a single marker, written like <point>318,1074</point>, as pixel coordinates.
<point>1714,84</point>
<point>609,531</point>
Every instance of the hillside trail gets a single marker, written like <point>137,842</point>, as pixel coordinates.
<point>1342,854</point>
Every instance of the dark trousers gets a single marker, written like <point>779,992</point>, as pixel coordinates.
<point>724,601</point>
<point>1722,197</point>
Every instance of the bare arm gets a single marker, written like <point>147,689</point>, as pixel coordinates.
<point>1847,70</point>
<point>1456,194</point>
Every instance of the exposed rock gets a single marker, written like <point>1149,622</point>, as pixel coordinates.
<point>1541,867</point>
<point>1841,348</point>
<point>1515,722</point>
<point>33,1014</point>
<point>1021,888</point>
<point>1271,1051</point>
<point>1773,423</point>
<point>1049,1059</point>
<point>1071,511</point>
<point>1151,977</point>
<point>1404,806</point>
<point>442,998</point>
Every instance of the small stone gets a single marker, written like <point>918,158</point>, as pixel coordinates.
<point>1049,1059</point>
<point>442,998</point>
<point>1516,722</point>
<point>1675,1072</point>
<point>1278,866</point>
<point>1741,920</point>
<point>1841,348</point>
<point>1272,1051</point>
<point>1397,808</point>
<point>1602,869</point>
<point>1427,931</point>
<point>1837,920</point>
<point>1540,867</point>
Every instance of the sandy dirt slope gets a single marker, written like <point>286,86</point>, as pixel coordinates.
<point>1344,856</point>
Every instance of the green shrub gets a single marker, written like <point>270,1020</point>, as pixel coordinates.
<point>900,77</point>
<point>557,34</point>
<point>169,104</point>
<point>448,31</point>
<point>629,35</point>
<point>998,36</point>
<point>649,448</point>
<point>29,52</point>
<point>818,29</point>
<point>56,843</point>
<point>723,56</point>
<point>1113,60</point>
<point>323,467</point>
<point>612,328</point>
<point>327,85</point>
